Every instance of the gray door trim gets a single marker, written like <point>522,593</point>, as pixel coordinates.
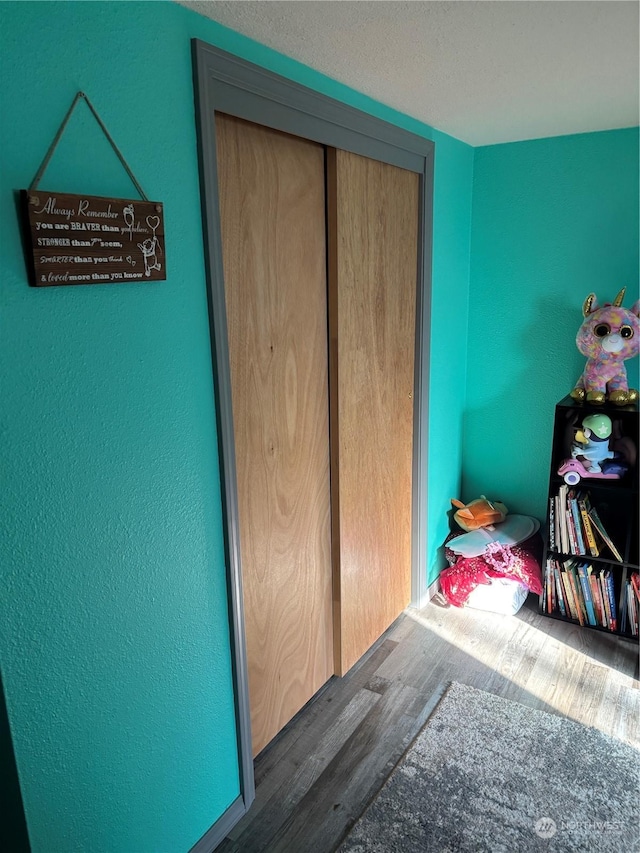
<point>225,83</point>
<point>216,834</point>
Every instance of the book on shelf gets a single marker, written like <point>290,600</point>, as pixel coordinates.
<point>584,505</point>
<point>568,594</point>
<point>546,592</point>
<point>550,589</point>
<point>576,604</point>
<point>608,598</point>
<point>571,530</point>
<point>564,531</point>
<point>600,528</point>
<point>606,614</point>
<point>612,599</point>
<point>559,591</point>
<point>586,594</point>
<point>549,594</point>
<point>557,525</point>
<point>577,522</point>
<point>577,589</point>
<point>596,596</point>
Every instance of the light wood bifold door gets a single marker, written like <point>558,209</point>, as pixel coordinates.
<point>272,206</point>
<point>373,268</point>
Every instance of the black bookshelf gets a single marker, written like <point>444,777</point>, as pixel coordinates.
<point>616,503</point>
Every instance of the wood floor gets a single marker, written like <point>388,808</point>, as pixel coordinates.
<point>314,780</point>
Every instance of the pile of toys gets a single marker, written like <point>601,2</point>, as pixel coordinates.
<point>494,562</point>
<point>597,453</point>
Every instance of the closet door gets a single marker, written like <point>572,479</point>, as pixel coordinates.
<point>373,245</point>
<point>272,207</point>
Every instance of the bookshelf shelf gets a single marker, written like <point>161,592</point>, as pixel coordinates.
<point>605,561</point>
<point>591,556</point>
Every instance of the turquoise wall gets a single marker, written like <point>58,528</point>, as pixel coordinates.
<point>553,220</point>
<point>448,345</point>
<point>114,637</point>
<point>113,621</point>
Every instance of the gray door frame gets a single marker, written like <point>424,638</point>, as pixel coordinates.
<point>225,83</point>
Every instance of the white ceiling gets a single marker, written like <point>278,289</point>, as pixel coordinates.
<point>483,71</point>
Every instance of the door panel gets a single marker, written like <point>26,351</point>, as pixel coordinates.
<point>373,244</point>
<point>272,207</point>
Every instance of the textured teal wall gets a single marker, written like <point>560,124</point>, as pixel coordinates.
<point>451,240</point>
<point>553,220</point>
<point>113,622</point>
<point>113,614</point>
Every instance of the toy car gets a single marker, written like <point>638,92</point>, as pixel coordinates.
<point>572,471</point>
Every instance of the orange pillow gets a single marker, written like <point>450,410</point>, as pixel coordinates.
<point>479,513</point>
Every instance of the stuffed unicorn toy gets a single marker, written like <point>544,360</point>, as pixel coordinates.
<point>608,337</point>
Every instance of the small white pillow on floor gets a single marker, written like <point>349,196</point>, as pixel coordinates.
<point>502,595</point>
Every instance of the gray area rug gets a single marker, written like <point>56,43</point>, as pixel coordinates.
<point>487,774</point>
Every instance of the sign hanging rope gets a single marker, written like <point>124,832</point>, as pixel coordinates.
<point>58,136</point>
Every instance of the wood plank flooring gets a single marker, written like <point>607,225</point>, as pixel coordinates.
<point>315,778</point>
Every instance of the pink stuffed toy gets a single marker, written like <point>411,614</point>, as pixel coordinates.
<point>608,337</point>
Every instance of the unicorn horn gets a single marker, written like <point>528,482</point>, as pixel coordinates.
<point>618,300</point>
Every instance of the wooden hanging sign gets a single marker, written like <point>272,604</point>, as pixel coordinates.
<point>83,239</point>
<point>87,239</point>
